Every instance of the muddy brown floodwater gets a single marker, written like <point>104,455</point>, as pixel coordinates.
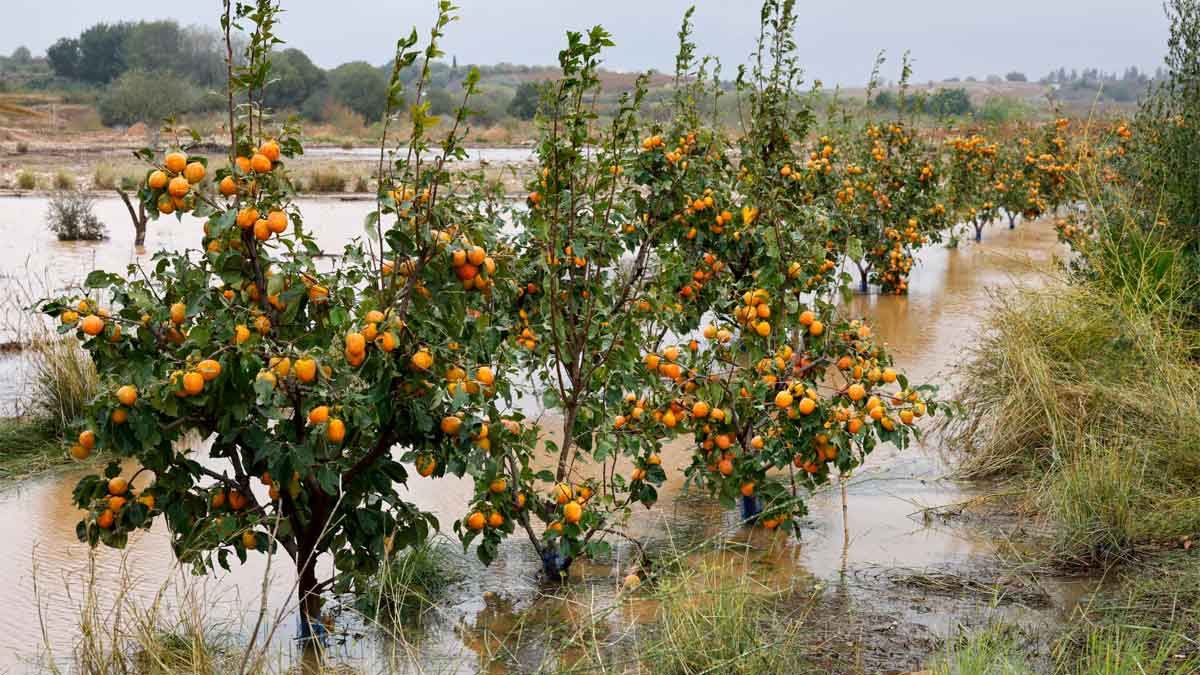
<point>44,568</point>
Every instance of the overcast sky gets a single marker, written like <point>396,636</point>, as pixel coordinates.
<point>837,38</point>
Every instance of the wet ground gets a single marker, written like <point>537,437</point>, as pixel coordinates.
<point>883,601</point>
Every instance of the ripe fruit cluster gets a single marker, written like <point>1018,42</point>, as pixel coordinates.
<point>473,267</point>
<point>175,183</point>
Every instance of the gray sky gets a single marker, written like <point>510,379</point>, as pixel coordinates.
<point>837,44</point>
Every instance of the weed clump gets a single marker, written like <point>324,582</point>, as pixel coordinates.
<point>26,179</point>
<point>326,179</point>
<point>63,381</point>
<point>104,177</point>
<point>64,181</point>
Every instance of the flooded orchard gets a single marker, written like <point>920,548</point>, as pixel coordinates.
<point>481,626</point>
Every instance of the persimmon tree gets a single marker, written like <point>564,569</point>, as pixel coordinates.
<point>783,389</point>
<point>1052,167</point>
<point>1012,186</point>
<point>889,202</point>
<point>586,255</point>
<point>261,359</point>
<point>970,182</point>
<point>603,280</point>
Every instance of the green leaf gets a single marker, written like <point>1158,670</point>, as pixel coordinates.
<point>854,248</point>
<point>100,279</point>
<point>595,549</point>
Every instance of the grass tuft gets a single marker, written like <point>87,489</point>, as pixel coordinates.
<point>414,580</point>
<point>63,381</point>
<point>64,181</point>
<point>326,179</point>
<point>997,649</point>
<point>26,179</point>
<point>705,624</point>
<point>104,177</point>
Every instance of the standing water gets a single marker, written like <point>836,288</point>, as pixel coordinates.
<point>46,568</point>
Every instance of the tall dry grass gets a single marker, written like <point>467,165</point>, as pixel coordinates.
<point>121,631</point>
<point>326,179</point>
<point>179,626</point>
<point>1086,393</point>
<point>706,624</point>
<point>62,381</point>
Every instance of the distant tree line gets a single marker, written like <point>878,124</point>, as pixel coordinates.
<point>146,70</point>
<point>941,103</point>
<point>1126,87</point>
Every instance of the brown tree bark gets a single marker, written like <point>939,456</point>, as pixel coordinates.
<point>138,217</point>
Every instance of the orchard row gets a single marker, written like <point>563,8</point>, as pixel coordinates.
<point>663,281</point>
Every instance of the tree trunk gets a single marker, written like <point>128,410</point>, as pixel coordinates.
<point>568,440</point>
<point>308,596</point>
<point>312,636</point>
<point>1012,220</point>
<point>554,563</point>
<point>978,230</point>
<point>751,509</point>
<point>312,630</point>
<point>138,217</point>
<point>862,276</point>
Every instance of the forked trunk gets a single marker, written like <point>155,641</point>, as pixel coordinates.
<point>138,217</point>
<point>863,273</point>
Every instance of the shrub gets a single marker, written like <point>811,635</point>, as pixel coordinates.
<point>22,147</point>
<point>343,119</point>
<point>525,101</point>
<point>71,218</point>
<point>1002,109</point>
<point>26,180</point>
<point>316,106</point>
<point>491,106</point>
<point>361,184</point>
<point>145,96</point>
<point>947,102</point>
